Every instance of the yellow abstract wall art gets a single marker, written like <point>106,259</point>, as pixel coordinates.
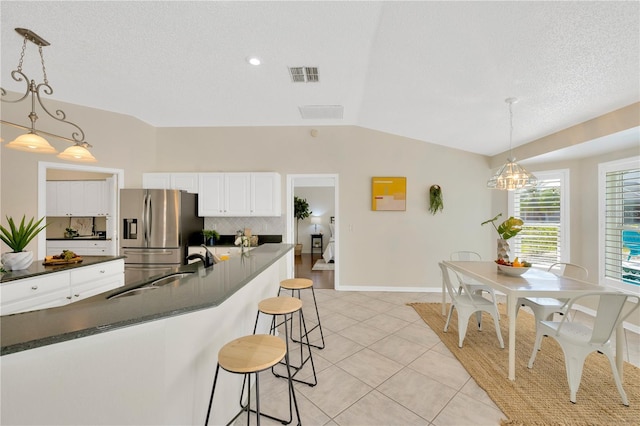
<point>388,193</point>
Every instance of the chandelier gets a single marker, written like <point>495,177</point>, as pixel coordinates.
<point>511,175</point>
<point>32,141</point>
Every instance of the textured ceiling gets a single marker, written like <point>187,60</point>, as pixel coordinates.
<point>433,71</point>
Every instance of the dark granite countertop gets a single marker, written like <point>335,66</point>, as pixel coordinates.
<point>203,289</point>
<point>37,268</point>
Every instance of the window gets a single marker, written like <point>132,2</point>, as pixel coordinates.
<point>544,239</point>
<point>619,216</point>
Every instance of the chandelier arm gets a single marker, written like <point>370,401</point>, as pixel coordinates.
<point>78,137</point>
<point>17,76</point>
<point>84,144</point>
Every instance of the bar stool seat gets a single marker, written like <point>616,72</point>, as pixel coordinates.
<point>287,306</point>
<point>247,355</point>
<point>297,284</point>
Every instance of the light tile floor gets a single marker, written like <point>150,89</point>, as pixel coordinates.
<point>382,365</point>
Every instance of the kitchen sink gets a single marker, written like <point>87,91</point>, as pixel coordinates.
<point>153,285</point>
<point>170,278</point>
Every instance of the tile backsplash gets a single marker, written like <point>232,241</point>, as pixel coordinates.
<point>258,225</point>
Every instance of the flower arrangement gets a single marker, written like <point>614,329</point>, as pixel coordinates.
<point>242,240</point>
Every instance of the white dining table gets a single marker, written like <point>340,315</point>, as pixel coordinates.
<point>533,283</point>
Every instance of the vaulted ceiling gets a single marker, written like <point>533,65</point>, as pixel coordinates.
<point>432,71</point>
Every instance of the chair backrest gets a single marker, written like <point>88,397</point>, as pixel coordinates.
<point>464,256</point>
<point>446,277</point>
<point>610,313</point>
<point>570,270</point>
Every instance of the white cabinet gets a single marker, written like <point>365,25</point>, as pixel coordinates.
<point>96,198</point>
<point>60,288</point>
<point>265,194</point>
<point>80,247</point>
<point>95,279</point>
<point>78,198</point>
<point>45,291</point>
<point>239,194</point>
<point>182,181</point>
<point>211,197</point>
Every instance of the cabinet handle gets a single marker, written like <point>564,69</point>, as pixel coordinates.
<point>35,287</point>
<point>102,271</point>
<point>76,295</point>
<point>69,297</point>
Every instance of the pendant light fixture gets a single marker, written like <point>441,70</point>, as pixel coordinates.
<point>511,175</point>
<point>32,141</point>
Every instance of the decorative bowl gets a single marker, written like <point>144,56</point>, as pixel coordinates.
<point>510,270</point>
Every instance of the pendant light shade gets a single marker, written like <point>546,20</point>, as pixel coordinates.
<point>77,153</point>
<point>32,143</point>
<point>511,175</point>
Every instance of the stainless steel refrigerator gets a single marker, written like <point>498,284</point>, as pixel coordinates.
<point>155,227</point>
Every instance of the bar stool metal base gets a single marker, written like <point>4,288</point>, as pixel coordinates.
<point>297,284</point>
<point>286,307</point>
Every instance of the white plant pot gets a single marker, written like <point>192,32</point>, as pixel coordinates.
<point>17,261</point>
<point>503,250</point>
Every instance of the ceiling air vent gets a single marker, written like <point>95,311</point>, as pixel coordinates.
<point>304,74</point>
<point>319,112</point>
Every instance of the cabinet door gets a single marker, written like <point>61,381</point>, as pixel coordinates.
<point>91,280</point>
<point>52,198</point>
<point>237,194</point>
<point>185,182</point>
<point>95,198</point>
<point>211,194</point>
<point>156,180</point>
<point>34,293</point>
<point>265,194</point>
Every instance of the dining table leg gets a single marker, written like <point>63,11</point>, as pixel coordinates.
<point>512,301</point>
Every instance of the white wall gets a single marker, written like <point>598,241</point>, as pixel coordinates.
<point>378,250</point>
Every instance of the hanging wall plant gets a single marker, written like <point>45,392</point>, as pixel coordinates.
<point>435,199</point>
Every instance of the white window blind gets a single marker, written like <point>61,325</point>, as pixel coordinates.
<point>621,227</point>
<point>544,236</point>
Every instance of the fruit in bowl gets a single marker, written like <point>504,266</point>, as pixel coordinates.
<point>515,268</point>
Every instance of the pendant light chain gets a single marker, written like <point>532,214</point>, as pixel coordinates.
<point>44,70</point>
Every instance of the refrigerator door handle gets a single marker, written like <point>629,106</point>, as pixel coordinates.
<point>145,219</point>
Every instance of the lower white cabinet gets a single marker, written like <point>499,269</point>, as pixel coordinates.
<point>60,288</point>
<point>95,279</point>
<point>81,247</point>
<point>45,291</point>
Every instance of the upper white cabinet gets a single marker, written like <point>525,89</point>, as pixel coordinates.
<point>78,198</point>
<point>239,194</point>
<point>182,181</point>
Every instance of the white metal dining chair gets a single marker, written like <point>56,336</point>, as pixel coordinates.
<point>544,307</point>
<point>468,303</point>
<point>472,285</point>
<point>579,340</point>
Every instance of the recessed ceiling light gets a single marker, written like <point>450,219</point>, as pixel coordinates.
<point>254,60</point>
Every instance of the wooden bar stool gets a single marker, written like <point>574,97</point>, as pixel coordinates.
<point>298,284</point>
<point>287,306</point>
<point>253,354</point>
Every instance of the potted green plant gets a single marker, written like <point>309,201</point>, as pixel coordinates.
<point>17,238</point>
<point>210,236</point>
<point>300,212</point>
<point>507,229</point>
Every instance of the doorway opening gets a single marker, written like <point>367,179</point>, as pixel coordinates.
<point>62,171</point>
<point>319,233</point>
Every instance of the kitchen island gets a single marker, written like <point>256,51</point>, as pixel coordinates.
<point>142,359</point>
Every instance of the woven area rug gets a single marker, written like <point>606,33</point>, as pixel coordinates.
<point>321,265</point>
<point>539,396</point>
